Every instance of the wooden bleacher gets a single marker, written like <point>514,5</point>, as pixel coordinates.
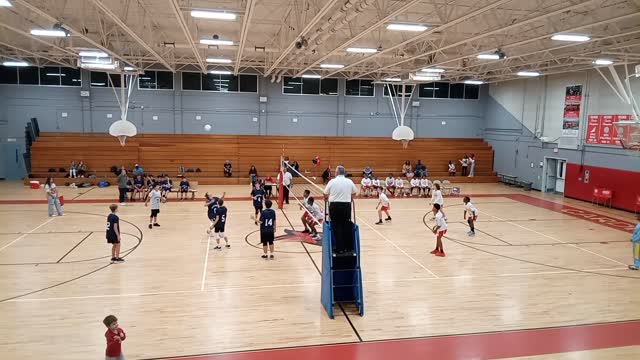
<point>164,153</point>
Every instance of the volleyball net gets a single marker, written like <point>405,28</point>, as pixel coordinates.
<point>299,184</point>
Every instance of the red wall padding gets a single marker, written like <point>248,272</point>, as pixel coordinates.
<point>624,184</point>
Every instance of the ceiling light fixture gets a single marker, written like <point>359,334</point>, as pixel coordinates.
<point>474,82</point>
<point>407,27</point>
<point>362,50</point>
<point>489,56</point>
<point>311,76</point>
<point>216,42</point>
<point>15,63</point>
<point>331,66</point>
<point>528,73</point>
<point>129,68</point>
<point>91,53</point>
<point>425,77</point>
<point>392,79</point>
<point>217,15</point>
<point>5,3</point>
<point>52,33</point>
<point>99,66</point>
<point>603,62</point>
<point>433,70</point>
<point>220,72</point>
<point>570,37</point>
<point>219,61</point>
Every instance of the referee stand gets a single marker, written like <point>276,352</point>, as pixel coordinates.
<point>341,273</point>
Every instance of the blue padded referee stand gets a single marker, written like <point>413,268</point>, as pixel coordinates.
<point>341,275</point>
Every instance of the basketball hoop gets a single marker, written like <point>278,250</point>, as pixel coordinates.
<point>123,128</point>
<point>404,134</point>
<point>629,136</point>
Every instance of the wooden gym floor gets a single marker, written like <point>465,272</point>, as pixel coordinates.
<point>545,277</point>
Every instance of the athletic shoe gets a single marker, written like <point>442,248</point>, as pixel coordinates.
<point>54,215</point>
<point>306,231</point>
<point>123,204</point>
<point>469,232</point>
<point>434,251</point>
<point>119,259</point>
<point>228,246</point>
<point>217,247</point>
<point>114,259</point>
<point>271,257</point>
<point>265,256</point>
<point>388,219</point>
<point>440,254</point>
<point>379,222</point>
<point>150,226</point>
<point>156,224</point>
<point>472,234</point>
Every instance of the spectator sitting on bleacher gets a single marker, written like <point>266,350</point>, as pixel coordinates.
<point>227,169</point>
<point>82,169</point>
<point>295,167</point>
<point>421,170</point>
<point>406,169</point>
<point>326,175</point>
<point>73,170</point>
<point>415,186</point>
<point>137,170</point>
<point>367,172</point>
<point>253,174</point>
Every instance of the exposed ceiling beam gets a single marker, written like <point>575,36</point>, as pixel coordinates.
<point>327,6</point>
<point>243,33</point>
<point>428,33</point>
<point>36,55</point>
<point>486,34</point>
<point>35,38</point>
<point>362,34</point>
<point>523,42</point>
<point>131,33</point>
<point>176,9</point>
<point>73,31</point>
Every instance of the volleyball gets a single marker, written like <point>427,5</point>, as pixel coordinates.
<point>207,127</point>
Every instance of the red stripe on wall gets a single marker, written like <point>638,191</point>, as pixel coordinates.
<point>624,184</point>
<point>474,346</point>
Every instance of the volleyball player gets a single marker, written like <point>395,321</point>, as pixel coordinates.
<point>219,224</point>
<point>211,203</point>
<point>440,230</point>
<point>470,214</point>
<point>257,194</point>
<point>384,206</point>
<point>267,229</point>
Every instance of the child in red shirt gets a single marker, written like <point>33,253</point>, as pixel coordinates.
<point>115,336</point>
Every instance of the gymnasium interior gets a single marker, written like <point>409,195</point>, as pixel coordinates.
<point>520,117</point>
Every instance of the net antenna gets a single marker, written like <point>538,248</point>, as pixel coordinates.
<point>123,128</point>
<point>400,106</point>
<point>627,129</point>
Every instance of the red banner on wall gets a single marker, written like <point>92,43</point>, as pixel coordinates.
<point>601,131</point>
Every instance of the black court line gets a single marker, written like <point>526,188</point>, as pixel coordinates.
<point>320,273</point>
<point>83,275</point>
<point>73,248</point>
<point>389,340</point>
<point>466,244</point>
<point>93,187</point>
<point>486,233</point>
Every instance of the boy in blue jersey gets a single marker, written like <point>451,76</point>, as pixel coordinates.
<point>184,188</point>
<point>267,229</point>
<point>257,194</point>
<point>211,203</point>
<point>113,234</point>
<point>219,224</point>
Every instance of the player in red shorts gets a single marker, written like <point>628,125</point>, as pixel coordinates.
<point>312,216</point>
<point>383,205</point>
<point>470,214</point>
<point>440,230</point>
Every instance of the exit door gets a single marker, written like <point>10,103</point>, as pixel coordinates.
<point>12,161</point>
<point>554,173</point>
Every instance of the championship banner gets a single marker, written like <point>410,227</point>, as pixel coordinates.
<point>601,130</point>
<point>571,116</point>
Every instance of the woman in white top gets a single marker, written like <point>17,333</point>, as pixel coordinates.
<point>464,162</point>
<point>52,197</point>
<point>452,169</point>
<point>472,164</point>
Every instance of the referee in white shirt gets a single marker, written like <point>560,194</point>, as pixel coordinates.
<point>286,181</point>
<point>339,191</point>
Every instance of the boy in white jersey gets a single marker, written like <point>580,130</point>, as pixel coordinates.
<point>156,197</point>
<point>383,205</point>
<point>436,198</point>
<point>365,186</point>
<point>312,216</point>
<point>375,185</point>
<point>424,187</point>
<point>470,214</point>
<point>390,182</point>
<point>440,230</point>
<point>399,186</point>
<point>415,186</point>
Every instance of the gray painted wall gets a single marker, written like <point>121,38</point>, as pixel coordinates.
<point>233,113</point>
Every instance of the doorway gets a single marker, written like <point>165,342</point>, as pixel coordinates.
<point>554,173</point>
